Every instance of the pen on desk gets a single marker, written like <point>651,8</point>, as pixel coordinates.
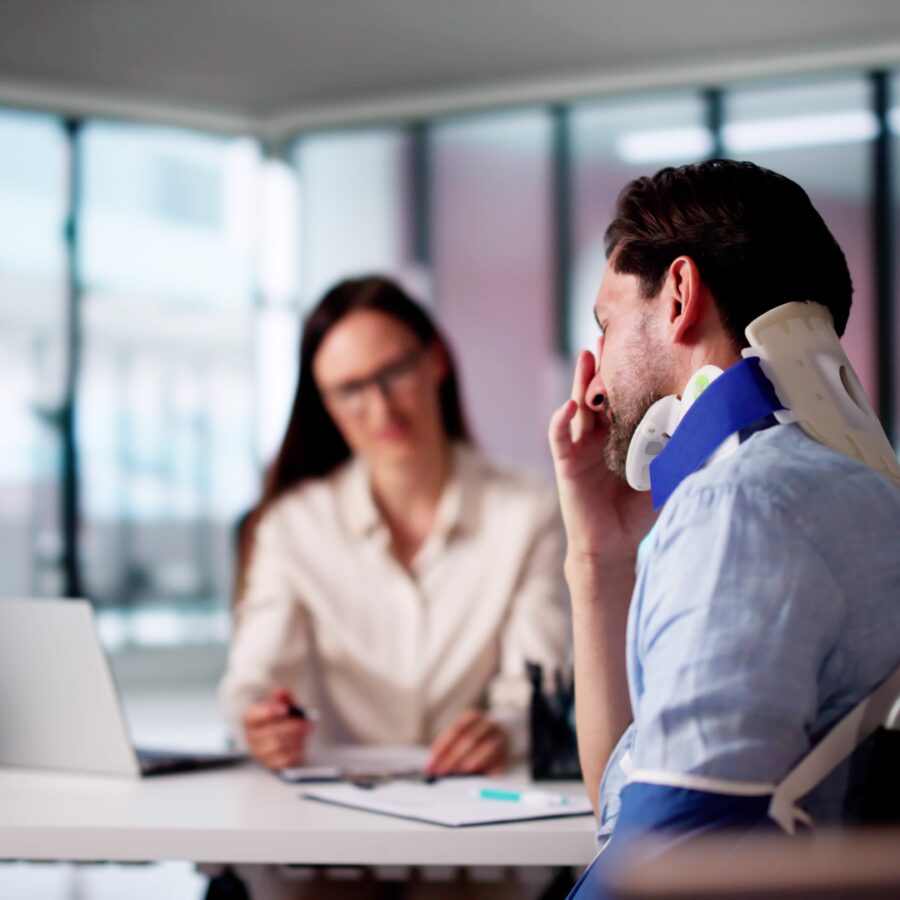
<point>530,797</point>
<point>302,712</point>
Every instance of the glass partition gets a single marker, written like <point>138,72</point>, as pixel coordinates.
<point>493,263</point>
<point>894,125</point>
<point>820,134</point>
<point>33,340</point>
<point>356,208</point>
<point>612,142</point>
<point>166,425</point>
<point>197,256</point>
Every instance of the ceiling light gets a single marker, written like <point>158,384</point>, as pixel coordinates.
<point>800,131</point>
<point>665,145</point>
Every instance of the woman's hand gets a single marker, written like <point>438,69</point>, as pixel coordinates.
<point>473,744</point>
<point>275,737</point>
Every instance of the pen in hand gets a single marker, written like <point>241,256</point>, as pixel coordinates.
<point>275,734</point>
<point>307,713</point>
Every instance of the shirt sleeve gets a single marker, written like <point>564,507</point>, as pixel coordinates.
<point>737,614</point>
<point>537,628</point>
<point>271,633</point>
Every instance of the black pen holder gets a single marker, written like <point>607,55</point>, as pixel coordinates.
<point>554,748</point>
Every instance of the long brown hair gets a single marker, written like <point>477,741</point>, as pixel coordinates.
<point>312,446</point>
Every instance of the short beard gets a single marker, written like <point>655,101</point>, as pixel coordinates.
<point>622,425</point>
<point>647,355</point>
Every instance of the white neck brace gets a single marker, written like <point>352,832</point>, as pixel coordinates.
<point>801,354</point>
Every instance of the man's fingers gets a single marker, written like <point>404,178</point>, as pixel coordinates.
<point>561,430</point>
<point>585,419</point>
<point>585,368</point>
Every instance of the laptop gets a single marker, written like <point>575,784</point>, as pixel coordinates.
<point>59,707</point>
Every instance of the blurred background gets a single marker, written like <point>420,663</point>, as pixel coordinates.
<point>181,181</point>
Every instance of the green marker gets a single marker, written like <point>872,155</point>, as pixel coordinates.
<point>538,798</point>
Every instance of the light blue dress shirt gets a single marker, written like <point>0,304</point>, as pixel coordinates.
<point>767,604</point>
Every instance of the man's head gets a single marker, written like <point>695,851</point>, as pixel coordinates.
<point>696,254</point>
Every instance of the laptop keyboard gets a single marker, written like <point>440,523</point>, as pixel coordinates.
<point>166,762</point>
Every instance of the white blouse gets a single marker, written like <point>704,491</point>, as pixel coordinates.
<point>390,655</point>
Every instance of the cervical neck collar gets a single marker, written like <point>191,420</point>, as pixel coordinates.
<point>794,369</point>
<point>736,399</point>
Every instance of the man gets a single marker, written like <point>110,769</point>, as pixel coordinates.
<point>765,601</point>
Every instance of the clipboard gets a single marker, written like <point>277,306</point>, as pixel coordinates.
<point>451,802</point>
<point>359,764</point>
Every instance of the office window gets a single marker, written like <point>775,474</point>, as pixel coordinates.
<point>820,134</point>
<point>493,272</point>
<point>356,208</point>
<point>612,142</point>
<point>33,189</point>
<point>166,426</point>
<point>278,319</point>
<point>894,123</point>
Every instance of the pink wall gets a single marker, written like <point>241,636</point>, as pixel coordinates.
<point>494,282</point>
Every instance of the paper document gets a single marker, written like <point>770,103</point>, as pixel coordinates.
<point>359,763</point>
<point>458,802</point>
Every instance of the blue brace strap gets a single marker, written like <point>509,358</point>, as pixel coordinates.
<point>737,399</point>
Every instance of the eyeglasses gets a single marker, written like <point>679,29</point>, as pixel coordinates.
<point>393,379</point>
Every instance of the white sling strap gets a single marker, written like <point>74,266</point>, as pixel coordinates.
<point>851,731</point>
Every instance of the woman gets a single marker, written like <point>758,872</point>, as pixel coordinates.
<point>390,576</point>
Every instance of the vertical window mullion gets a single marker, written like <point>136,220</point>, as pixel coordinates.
<point>561,155</point>
<point>69,493</point>
<point>420,182</point>
<point>882,245</point>
<point>715,114</point>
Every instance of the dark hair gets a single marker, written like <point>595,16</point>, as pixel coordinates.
<point>312,446</point>
<point>756,238</point>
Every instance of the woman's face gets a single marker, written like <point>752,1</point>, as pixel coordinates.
<point>380,385</point>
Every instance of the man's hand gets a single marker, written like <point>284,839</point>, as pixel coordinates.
<point>473,744</point>
<point>604,518</point>
<point>274,737</point>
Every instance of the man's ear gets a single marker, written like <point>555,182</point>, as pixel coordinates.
<point>684,299</point>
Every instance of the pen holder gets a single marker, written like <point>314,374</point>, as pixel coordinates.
<point>874,768</point>
<point>554,749</point>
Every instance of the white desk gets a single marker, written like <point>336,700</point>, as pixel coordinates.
<point>245,815</point>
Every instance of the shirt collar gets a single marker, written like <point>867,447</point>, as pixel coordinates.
<point>457,509</point>
<point>355,498</point>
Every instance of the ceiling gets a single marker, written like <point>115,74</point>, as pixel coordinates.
<point>284,61</point>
